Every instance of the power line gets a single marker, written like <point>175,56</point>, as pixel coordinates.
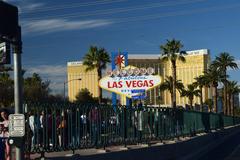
<point>70,6</point>
<point>171,14</point>
<point>117,10</point>
<point>186,29</point>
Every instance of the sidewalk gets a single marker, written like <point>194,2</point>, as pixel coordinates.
<point>86,153</point>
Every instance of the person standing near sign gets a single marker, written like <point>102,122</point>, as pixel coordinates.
<point>94,118</point>
<point>5,134</point>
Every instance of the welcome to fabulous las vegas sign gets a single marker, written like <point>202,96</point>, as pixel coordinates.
<point>130,81</point>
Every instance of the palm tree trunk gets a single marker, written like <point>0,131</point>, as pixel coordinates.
<point>225,92</point>
<point>191,102</point>
<point>99,88</point>
<point>215,99</point>
<point>174,83</point>
<point>171,99</point>
<point>229,104</point>
<point>225,106</point>
<point>201,99</point>
<point>232,104</point>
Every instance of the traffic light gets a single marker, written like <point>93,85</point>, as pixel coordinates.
<point>8,20</point>
<point>4,53</point>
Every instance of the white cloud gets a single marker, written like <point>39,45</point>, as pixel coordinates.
<point>53,70</point>
<point>30,7</point>
<point>25,6</point>
<point>56,25</point>
<point>236,70</point>
<point>55,73</point>
<point>11,0</point>
<point>238,63</point>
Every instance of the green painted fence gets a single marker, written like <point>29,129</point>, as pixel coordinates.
<point>58,127</point>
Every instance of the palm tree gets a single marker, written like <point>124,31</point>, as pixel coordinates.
<point>96,58</point>
<point>212,77</point>
<point>201,81</point>
<point>5,69</point>
<point>6,90</point>
<point>233,89</point>
<point>168,85</point>
<point>35,89</point>
<point>222,62</point>
<point>190,92</point>
<point>172,52</point>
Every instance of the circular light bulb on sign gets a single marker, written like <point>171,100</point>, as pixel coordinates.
<point>116,72</point>
<point>143,71</point>
<point>123,72</point>
<point>150,71</point>
<point>129,72</point>
<point>136,71</point>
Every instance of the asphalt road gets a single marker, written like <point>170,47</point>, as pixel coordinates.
<point>224,150</point>
<point>227,143</point>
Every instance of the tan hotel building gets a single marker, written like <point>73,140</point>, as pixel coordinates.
<point>89,80</point>
<point>197,62</point>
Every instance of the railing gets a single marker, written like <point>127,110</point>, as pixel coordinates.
<point>57,127</point>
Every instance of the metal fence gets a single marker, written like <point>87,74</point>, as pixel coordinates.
<point>57,127</point>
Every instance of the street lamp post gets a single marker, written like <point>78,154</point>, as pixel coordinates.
<point>64,86</point>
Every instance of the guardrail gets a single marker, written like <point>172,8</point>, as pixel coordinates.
<point>58,127</point>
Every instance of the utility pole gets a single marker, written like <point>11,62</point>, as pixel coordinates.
<point>64,86</point>
<point>10,32</point>
<point>18,98</point>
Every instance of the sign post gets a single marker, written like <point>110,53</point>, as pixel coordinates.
<point>119,60</point>
<point>10,32</point>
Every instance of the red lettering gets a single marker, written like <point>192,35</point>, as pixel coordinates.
<point>134,83</point>
<point>145,83</point>
<point>115,85</point>
<point>108,84</point>
<point>139,84</point>
<point>120,84</point>
<point>151,83</point>
<point>128,83</point>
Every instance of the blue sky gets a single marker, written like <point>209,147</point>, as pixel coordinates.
<point>58,31</point>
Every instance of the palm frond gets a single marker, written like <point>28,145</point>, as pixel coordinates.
<point>181,58</point>
<point>96,58</point>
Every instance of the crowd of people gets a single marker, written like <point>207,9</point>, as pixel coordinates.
<point>4,134</point>
<point>58,128</point>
